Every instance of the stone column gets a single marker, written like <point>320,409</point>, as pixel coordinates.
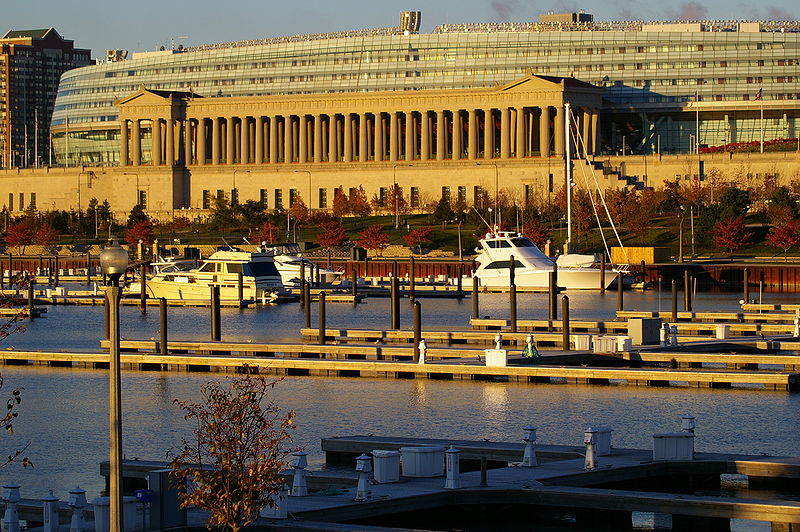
<point>155,142</point>
<point>521,130</point>
<point>187,142</point>
<point>317,138</point>
<point>333,156</point>
<point>363,137</point>
<point>409,136</point>
<point>123,143</point>
<point>559,130</point>
<point>201,141</point>
<point>273,139</point>
<point>288,139</point>
<point>458,135</point>
<point>488,134</point>
<point>169,158</point>
<point>472,142</point>
<point>505,133</point>
<point>230,140</point>
<point>216,140</point>
<point>136,140</point>
<point>425,136</point>
<point>259,142</point>
<point>441,135</point>
<point>244,141</point>
<point>544,131</point>
<point>594,135</point>
<point>302,140</point>
<point>380,131</point>
<point>393,134</point>
<point>348,137</point>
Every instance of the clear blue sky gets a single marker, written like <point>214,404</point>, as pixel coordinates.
<point>149,24</point>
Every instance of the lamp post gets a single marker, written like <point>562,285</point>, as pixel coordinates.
<point>310,200</point>
<point>234,190</point>
<point>113,262</point>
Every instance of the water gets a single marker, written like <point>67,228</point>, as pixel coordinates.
<point>64,412</point>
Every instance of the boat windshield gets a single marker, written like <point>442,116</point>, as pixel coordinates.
<point>178,267</point>
<point>498,244</point>
<point>260,269</point>
<point>503,265</point>
<point>522,243</point>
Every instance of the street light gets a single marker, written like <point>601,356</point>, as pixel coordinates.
<point>113,262</point>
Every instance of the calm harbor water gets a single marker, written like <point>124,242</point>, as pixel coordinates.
<point>64,411</point>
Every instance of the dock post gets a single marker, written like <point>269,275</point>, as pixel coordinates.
<point>354,284</point>
<point>746,285</point>
<point>88,267</point>
<point>512,299</point>
<point>162,307</point>
<point>565,322</point>
<point>41,265</point>
<point>306,297</point>
<point>620,301</point>
<point>302,275</point>
<point>475,303</point>
<point>395,302</point>
<point>55,270</point>
<point>674,301</point>
<point>395,275</point>
<point>240,287</point>
<point>143,288</point>
<point>412,271</point>
<point>303,292</point>
<point>216,335</point>
<point>322,331</point>
<point>511,270</point>
<point>603,272</point>
<point>31,287</point>
<point>687,291</point>
<point>319,277</point>
<point>553,292</point>
<point>417,329</point>
<point>459,281</point>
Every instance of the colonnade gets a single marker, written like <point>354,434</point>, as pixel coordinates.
<point>409,135</point>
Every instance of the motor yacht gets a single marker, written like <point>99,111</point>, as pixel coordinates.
<point>289,262</point>
<point>531,266</point>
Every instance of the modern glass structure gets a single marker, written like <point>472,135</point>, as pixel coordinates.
<point>668,87</point>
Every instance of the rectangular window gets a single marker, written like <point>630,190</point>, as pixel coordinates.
<point>33,200</point>
<point>292,197</point>
<point>323,198</point>
<point>10,201</point>
<point>143,199</point>
<point>477,195</point>
<point>262,197</point>
<point>528,195</point>
<point>446,193</point>
<point>22,201</point>
<point>278,198</point>
<point>462,195</point>
<point>234,196</point>
<point>206,199</point>
<point>414,197</point>
<point>382,197</point>
<point>220,195</point>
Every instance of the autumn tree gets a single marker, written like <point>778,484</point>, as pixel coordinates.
<point>332,234</point>
<point>358,202</point>
<point>341,205</point>
<point>268,232</point>
<point>784,236</point>
<point>298,210</point>
<point>46,236</point>
<point>537,232</point>
<point>144,231</point>
<point>416,237</point>
<point>730,234</point>
<point>20,234</point>
<point>239,446</point>
<point>397,203</point>
<point>373,238</point>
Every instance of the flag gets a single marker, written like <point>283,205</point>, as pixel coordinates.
<point>760,93</point>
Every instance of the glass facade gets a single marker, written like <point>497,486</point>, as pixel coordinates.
<point>650,71</point>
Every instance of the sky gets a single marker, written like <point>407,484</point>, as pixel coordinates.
<point>149,24</point>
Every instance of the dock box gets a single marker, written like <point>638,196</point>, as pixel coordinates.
<point>496,358</point>
<point>673,446</point>
<point>427,461</point>
<point>582,342</point>
<point>386,466</point>
<point>602,440</point>
<point>644,331</point>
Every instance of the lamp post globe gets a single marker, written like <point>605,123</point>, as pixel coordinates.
<point>113,261</point>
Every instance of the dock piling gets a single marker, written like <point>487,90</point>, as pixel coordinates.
<point>553,291</point>
<point>395,302</point>
<point>88,266</point>
<point>512,296</point>
<point>143,289</point>
<point>354,284</point>
<point>55,269</point>
<point>746,285</point>
<point>620,301</point>
<point>162,308</point>
<point>306,298</point>
<point>459,281</point>
<point>411,272</point>
<point>240,287</point>
<point>322,331</point>
<point>302,276</point>
<point>31,287</point>
<point>674,301</point>
<point>511,270</point>
<point>687,291</point>
<point>216,333</point>
<point>417,329</point>
<point>475,305</point>
<point>565,322</point>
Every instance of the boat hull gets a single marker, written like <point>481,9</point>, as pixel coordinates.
<point>202,291</point>
<point>567,278</point>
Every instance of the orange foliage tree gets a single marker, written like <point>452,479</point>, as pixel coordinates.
<point>785,236</point>
<point>537,232</point>
<point>373,238</point>
<point>332,234</point>
<point>341,205</point>
<point>266,233</point>
<point>416,237</point>
<point>730,234</point>
<point>240,445</point>
<point>46,236</point>
<point>19,234</point>
<point>143,230</point>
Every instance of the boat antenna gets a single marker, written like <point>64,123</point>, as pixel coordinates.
<point>483,219</point>
<point>226,243</point>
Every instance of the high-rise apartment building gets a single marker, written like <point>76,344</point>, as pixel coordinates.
<point>31,64</point>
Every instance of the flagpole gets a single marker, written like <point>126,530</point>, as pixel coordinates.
<point>761,102</point>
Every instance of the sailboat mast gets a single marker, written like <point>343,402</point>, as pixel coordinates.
<point>568,184</point>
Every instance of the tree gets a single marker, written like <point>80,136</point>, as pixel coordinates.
<point>733,203</point>
<point>238,449</point>
<point>359,205</point>
<point>298,210</point>
<point>784,236</point>
<point>396,203</point>
<point>443,211</point>
<point>416,237</point>
<point>730,234</point>
<point>268,233</point>
<point>46,236</point>
<point>144,231</point>
<point>19,234</point>
<point>341,205</point>
<point>332,235</point>
<point>136,215</point>
<point>374,238</point>
<point>537,232</point>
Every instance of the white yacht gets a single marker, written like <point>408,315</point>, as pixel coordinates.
<point>289,261</point>
<point>260,277</point>
<point>531,266</point>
